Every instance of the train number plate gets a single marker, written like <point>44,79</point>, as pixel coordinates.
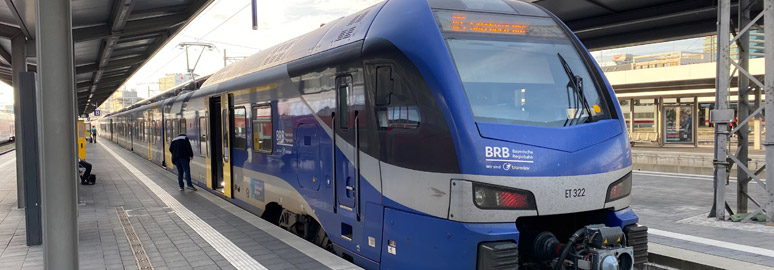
<point>574,193</point>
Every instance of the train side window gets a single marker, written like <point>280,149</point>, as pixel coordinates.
<point>203,136</point>
<point>224,128</point>
<point>175,130</point>
<point>183,127</point>
<point>344,86</point>
<point>262,129</point>
<point>169,131</point>
<point>240,128</point>
<point>158,134</point>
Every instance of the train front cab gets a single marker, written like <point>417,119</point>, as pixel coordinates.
<point>540,159</point>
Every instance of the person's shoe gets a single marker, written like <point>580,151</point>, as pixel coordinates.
<point>192,188</point>
<point>181,189</point>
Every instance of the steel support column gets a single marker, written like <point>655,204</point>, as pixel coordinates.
<point>768,6</point>
<point>18,64</point>
<point>631,117</point>
<point>721,115</point>
<point>695,122</point>
<point>57,116</point>
<point>743,105</point>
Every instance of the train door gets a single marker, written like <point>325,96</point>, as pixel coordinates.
<point>227,135</point>
<point>168,136</point>
<point>346,159</point>
<point>220,144</point>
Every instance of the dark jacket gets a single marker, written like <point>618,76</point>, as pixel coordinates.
<point>181,148</point>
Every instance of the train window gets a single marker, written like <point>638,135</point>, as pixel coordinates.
<point>157,132</point>
<point>532,76</point>
<point>240,128</point>
<point>168,131</point>
<point>203,136</point>
<point>262,129</point>
<point>344,85</point>
<point>175,129</point>
<point>224,128</point>
<point>183,127</point>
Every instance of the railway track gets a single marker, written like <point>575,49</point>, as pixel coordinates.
<point>7,147</point>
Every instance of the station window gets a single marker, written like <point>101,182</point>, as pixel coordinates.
<point>240,128</point>
<point>262,129</point>
<point>203,136</point>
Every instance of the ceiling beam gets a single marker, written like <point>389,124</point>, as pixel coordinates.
<point>112,81</point>
<point>125,62</point>
<point>91,33</point>
<point>5,56</point>
<point>8,31</point>
<point>19,19</point>
<point>88,68</point>
<point>157,12</point>
<point>82,85</point>
<point>652,35</point>
<point>155,24</point>
<point>122,9</point>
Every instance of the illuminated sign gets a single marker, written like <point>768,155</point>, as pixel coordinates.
<point>462,23</point>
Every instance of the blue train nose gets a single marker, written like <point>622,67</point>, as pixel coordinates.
<point>567,139</point>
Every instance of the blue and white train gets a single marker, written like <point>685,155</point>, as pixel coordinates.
<point>417,134</point>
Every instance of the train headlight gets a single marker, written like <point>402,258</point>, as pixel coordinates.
<point>620,189</point>
<point>495,197</point>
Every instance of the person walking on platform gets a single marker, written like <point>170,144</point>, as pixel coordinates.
<point>93,134</point>
<point>181,157</point>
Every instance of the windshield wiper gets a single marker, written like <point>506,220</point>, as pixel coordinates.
<point>576,83</point>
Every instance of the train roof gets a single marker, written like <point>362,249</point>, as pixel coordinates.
<point>172,92</point>
<point>331,35</point>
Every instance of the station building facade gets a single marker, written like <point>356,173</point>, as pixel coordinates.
<point>667,97</point>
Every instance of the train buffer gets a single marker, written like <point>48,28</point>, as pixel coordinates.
<point>134,217</point>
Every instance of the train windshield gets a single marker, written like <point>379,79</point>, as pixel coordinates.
<point>521,70</point>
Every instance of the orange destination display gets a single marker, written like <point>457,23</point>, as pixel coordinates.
<point>464,23</point>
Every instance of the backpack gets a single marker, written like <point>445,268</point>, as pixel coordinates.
<point>90,181</point>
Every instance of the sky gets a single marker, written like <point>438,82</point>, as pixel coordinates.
<point>227,24</point>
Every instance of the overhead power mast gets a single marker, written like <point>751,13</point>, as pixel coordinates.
<point>722,116</point>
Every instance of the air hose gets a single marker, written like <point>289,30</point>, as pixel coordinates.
<point>570,243</point>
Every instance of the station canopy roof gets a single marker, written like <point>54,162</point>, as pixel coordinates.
<point>112,39</point>
<point>604,24</point>
<point>115,38</point>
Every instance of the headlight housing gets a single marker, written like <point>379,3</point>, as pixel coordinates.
<point>497,197</point>
<point>619,189</point>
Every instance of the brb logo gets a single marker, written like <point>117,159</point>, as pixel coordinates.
<point>497,152</point>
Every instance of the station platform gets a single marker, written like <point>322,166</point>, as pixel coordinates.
<point>136,218</point>
<point>675,209</point>
<point>135,215</point>
<point>686,159</point>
